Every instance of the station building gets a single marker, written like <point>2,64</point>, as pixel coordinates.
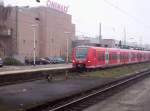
<point>52,30</point>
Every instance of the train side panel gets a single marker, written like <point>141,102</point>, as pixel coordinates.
<point>99,56</point>
<point>96,57</point>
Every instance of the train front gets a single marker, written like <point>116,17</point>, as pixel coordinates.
<point>79,57</point>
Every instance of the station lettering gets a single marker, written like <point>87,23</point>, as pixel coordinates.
<point>57,6</point>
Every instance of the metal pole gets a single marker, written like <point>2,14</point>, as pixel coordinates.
<point>16,39</point>
<point>140,41</point>
<point>124,36</point>
<point>67,52</point>
<point>34,31</point>
<point>100,32</point>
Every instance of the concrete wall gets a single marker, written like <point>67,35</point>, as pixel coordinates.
<point>51,26</point>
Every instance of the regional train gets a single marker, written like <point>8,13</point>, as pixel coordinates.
<point>94,57</point>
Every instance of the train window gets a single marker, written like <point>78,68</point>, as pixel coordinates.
<point>139,56</point>
<point>94,53</point>
<point>127,56</point>
<point>110,56</point>
<point>144,57</point>
<point>81,52</point>
<point>118,56</point>
<point>113,56</point>
<point>121,56</point>
<point>133,56</point>
<point>101,56</point>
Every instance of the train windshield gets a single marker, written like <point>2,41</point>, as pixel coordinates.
<point>81,52</point>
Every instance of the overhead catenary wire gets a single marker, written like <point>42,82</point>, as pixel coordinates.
<point>127,14</point>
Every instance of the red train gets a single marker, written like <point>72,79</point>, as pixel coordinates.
<point>94,57</point>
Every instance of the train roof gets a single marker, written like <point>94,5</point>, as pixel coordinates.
<point>112,48</point>
<point>84,46</point>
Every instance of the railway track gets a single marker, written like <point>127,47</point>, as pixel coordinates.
<point>83,100</point>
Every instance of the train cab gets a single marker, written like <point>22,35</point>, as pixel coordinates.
<point>88,57</point>
<point>79,57</point>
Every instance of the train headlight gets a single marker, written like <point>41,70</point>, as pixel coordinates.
<point>73,61</point>
<point>89,61</point>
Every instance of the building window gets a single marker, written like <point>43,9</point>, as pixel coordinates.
<point>24,41</point>
<point>105,45</point>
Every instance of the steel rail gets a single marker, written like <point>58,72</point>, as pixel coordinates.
<point>100,91</point>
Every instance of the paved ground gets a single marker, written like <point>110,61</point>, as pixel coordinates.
<point>16,97</point>
<point>20,68</point>
<point>134,98</point>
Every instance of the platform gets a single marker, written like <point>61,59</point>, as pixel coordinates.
<point>15,74</point>
<point>19,69</point>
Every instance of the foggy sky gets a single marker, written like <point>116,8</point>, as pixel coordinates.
<point>87,14</point>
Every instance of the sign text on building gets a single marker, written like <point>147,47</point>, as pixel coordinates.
<point>57,6</point>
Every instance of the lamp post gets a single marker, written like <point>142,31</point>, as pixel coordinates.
<point>34,42</point>
<point>67,43</point>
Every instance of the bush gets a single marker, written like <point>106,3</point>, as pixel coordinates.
<point>12,61</point>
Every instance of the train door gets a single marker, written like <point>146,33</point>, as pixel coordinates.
<point>101,57</point>
<point>94,57</point>
<point>130,56</point>
<point>126,57</point>
<point>136,59</point>
<point>107,56</point>
<point>122,57</point>
<point>110,57</point>
<point>113,57</point>
<point>118,57</point>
